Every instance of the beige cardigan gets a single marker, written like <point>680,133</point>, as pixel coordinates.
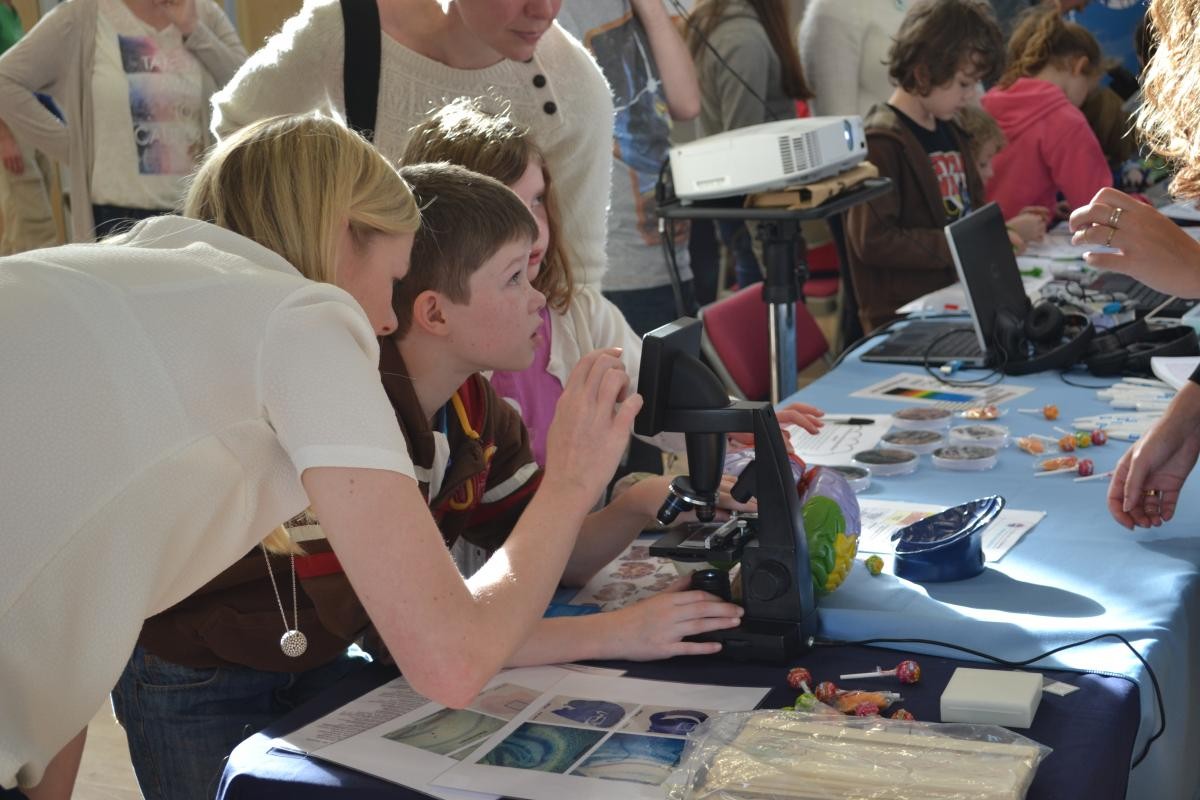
<point>56,58</point>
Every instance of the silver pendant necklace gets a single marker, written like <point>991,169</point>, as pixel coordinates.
<point>293,643</point>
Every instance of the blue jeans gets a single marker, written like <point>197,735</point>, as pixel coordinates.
<point>647,309</point>
<point>181,723</point>
<point>736,236</point>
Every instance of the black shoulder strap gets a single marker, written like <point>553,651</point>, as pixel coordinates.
<point>360,77</point>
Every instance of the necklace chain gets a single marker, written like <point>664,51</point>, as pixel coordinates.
<point>293,642</point>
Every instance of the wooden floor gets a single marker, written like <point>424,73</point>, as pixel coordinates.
<point>106,773</point>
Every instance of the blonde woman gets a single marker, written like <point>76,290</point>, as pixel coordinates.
<point>228,365</point>
<point>1144,490</point>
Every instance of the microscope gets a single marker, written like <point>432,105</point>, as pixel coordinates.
<point>681,394</point>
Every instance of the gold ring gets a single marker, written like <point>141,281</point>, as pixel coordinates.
<point>1108,239</point>
<point>1114,217</point>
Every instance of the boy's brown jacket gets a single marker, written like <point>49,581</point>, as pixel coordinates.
<point>895,243</point>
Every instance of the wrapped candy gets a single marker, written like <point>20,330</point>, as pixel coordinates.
<point>1066,443</point>
<point>904,714</point>
<point>799,678</point>
<point>1058,464</point>
<point>1031,445</point>
<point>831,525</point>
<point>806,702</point>
<point>907,671</point>
<point>825,691</point>
<point>848,702</point>
<point>866,710</point>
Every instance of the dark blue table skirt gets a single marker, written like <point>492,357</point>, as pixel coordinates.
<point>1091,731</point>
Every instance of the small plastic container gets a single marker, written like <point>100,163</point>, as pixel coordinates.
<point>986,413</point>
<point>965,458</point>
<point>887,461</point>
<point>922,418</point>
<point>983,435</point>
<point>859,478</point>
<point>918,441</point>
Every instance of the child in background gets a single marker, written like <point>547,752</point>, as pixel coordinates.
<point>986,141</point>
<point>575,320</point>
<point>1053,64</point>
<point>897,250</point>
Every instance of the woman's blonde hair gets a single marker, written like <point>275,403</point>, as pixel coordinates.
<point>1170,114</point>
<point>494,145</point>
<point>290,183</point>
<point>1043,37</point>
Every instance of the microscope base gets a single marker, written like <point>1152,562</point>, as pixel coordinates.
<point>765,640</point>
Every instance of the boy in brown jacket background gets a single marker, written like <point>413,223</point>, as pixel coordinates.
<point>897,250</point>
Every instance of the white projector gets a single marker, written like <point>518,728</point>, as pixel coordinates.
<point>767,156</point>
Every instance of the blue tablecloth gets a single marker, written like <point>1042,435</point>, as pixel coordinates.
<point>1076,575</point>
<point>1091,730</point>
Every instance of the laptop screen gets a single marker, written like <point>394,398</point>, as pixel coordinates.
<point>987,268</point>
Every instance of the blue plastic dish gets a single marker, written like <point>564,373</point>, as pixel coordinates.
<point>947,546</point>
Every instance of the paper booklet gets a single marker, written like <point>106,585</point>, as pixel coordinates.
<point>536,732</point>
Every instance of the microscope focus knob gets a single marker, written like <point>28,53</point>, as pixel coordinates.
<point>770,580</point>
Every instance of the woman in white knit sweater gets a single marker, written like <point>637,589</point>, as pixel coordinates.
<point>433,52</point>
<point>173,395</point>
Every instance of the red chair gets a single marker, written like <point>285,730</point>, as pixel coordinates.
<point>736,342</point>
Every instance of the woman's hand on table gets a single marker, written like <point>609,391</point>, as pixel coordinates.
<point>1145,486</point>
<point>654,628</point>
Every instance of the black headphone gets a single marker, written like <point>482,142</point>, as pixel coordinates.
<point>1127,349</point>
<point>1047,338</point>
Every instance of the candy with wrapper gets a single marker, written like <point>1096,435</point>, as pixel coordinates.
<point>904,714</point>
<point>1031,444</point>
<point>831,524</point>
<point>1057,464</point>
<point>799,678</point>
<point>874,565</point>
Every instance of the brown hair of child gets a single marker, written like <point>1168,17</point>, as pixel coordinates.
<point>940,37</point>
<point>1043,38</point>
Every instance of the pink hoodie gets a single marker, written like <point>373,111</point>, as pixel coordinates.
<point>1050,149</point>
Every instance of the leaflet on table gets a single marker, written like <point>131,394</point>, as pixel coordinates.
<point>416,746</point>
<point>632,576</point>
<point>954,298</point>
<point>594,738</point>
<point>1174,370</point>
<point>835,443</point>
<point>379,706</point>
<point>882,518</point>
<point>911,387</point>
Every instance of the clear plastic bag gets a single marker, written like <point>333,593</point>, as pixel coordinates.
<point>789,755</point>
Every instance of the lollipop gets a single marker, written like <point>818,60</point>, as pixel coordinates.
<point>806,702</point>
<point>825,691</point>
<point>849,702</point>
<point>1049,411</point>
<point>1085,468</point>
<point>1066,443</point>
<point>1099,437</point>
<point>799,678</point>
<point>866,710</point>
<point>1031,445</point>
<point>874,565</point>
<point>1052,466</point>
<point>902,714</point>
<point>906,671</point>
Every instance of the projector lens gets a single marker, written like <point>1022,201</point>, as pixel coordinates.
<point>848,134</point>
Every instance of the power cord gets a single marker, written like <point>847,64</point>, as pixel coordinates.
<point>995,376</point>
<point>1158,698</point>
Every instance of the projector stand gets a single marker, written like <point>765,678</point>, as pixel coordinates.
<point>786,263</point>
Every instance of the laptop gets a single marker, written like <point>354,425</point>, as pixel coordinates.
<point>991,280</point>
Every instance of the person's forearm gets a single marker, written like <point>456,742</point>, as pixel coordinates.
<point>671,56</point>
<point>561,639</point>
<point>605,533</point>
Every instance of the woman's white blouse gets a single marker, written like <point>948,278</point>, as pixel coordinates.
<point>159,400</point>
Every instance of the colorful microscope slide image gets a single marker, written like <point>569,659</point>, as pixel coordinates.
<point>634,758</point>
<point>449,732</point>
<point>583,712</point>
<point>599,739</point>
<point>546,748</point>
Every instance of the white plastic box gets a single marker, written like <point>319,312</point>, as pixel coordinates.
<point>999,697</point>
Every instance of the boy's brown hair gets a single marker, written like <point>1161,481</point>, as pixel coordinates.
<point>1043,37</point>
<point>465,218</point>
<point>940,37</point>
<point>462,133</point>
<point>982,129</point>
